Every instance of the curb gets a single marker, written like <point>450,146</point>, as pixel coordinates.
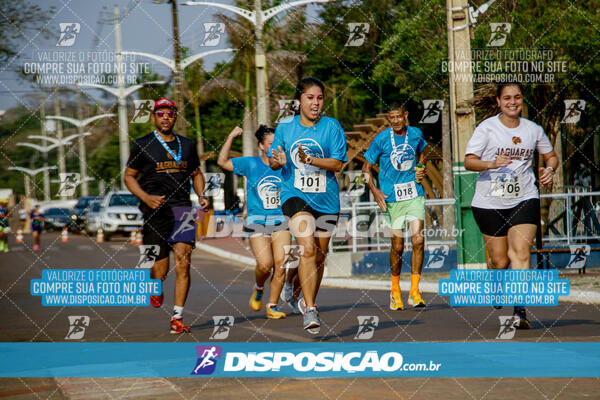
<point>215,251</point>
<point>575,296</point>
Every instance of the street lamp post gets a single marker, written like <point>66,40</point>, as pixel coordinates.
<point>80,124</point>
<point>178,69</point>
<point>258,17</point>
<point>121,94</point>
<point>45,148</point>
<point>30,173</point>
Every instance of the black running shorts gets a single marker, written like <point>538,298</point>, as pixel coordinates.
<point>497,222</point>
<point>158,228</point>
<point>324,222</point>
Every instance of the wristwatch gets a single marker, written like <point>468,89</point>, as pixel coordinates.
<point>552,168</point>
<point>308,160</point>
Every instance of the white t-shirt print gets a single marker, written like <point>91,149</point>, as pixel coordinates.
<point>506,187</point>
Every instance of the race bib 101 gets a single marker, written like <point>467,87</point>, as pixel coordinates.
<point>310,182</point>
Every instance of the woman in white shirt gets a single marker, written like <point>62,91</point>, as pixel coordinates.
<point>506,203</point>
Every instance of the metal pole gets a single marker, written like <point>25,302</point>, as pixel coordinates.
<point>44,133</point>
<point>469,241</point>
<point>27,186</point>
<point>448,184</point>
<point>178,88</point>
<point>123,123</point>
<point>260,64</point>
<point>82,152</point>
<point>62,166</point>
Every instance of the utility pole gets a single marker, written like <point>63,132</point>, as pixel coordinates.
<point>178,73</point>
<point>260,65</point>
<point>469,243</point>
<point>44,134</point>
<point>82,151</point>
<point>123,123</point>
<point>62,166</point>
<point>448,184</point>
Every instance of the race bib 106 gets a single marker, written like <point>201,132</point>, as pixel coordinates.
<point>507,187</point>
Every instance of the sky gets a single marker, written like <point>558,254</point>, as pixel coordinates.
<point>146,27</point>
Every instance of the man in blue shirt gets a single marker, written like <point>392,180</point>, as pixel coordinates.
<point>399,150</point>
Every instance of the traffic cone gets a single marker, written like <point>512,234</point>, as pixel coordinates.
<point>132,238</point>
<point>64,235</point>
<point>19,235</point>
<point>100,236</point>
<point>139,239</point>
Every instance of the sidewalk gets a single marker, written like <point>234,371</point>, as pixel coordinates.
<point>233,249</point>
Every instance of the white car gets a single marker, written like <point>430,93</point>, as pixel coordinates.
<point>119,214</point>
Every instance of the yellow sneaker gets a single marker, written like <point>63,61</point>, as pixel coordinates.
<point>396,301</point>
<point>256,299</point>
<point>273,312</point>
<point>415,300</point>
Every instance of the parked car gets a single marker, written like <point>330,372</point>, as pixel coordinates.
<point>91,216</point>
<point>119,214</point>
<point>57,218</point>
<point>83,203</point>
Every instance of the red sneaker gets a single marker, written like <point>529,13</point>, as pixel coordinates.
<point>157,301</point>
<point>177,326</point>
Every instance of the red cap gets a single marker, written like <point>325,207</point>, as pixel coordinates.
<point>164,102</point>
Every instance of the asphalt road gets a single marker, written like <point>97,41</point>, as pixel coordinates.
<point>222,288</point>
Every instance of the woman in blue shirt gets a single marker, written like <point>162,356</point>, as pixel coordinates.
<point>265,223</point>
<point>310,148</point>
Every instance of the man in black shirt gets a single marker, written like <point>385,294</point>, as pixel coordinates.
<point>165,162</point>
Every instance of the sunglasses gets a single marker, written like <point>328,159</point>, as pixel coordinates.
<point>161,114</point>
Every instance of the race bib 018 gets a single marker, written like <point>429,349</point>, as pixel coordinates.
<point>405,191</point>
<point>310,182</point>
